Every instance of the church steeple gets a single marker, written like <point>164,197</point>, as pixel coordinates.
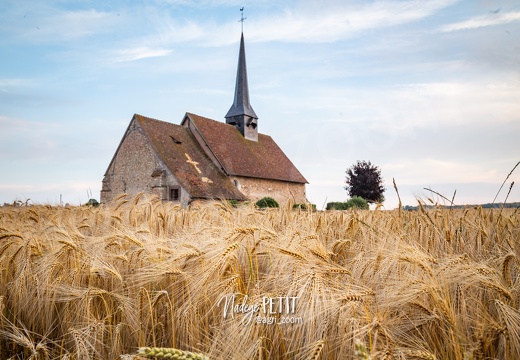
<point>241,113</point>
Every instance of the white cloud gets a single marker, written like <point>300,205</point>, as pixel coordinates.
<point>138,54</point>
<point>9,123</point>
<point>432,170</point>
<point>74,192</point>
<point>16,83</point>
<point>23,139</point>
<point>52,25</point>
<point>331,23</point>
<point>474,183</point>
<point>454,103</point>
<point>423,105</point>
<point>307,22</point>
<point>483,21</point>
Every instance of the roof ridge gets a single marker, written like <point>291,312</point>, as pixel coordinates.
<point>151,118</point>
<point>207,118</point>
<point>220,122</point>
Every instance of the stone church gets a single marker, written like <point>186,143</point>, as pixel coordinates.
<point>204,159</point>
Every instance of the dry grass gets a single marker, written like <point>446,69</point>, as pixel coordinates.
<point>98,283</point>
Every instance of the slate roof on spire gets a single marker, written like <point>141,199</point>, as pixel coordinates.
<point>241,105</point>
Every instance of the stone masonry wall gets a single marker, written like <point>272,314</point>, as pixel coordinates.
<point>283,192</point>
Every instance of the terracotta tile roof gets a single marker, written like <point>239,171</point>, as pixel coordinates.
<point>241,157</point>
<point>184,157</point>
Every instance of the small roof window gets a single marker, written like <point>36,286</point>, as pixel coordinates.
<point>175,140</point>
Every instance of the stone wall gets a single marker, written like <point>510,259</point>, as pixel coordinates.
<point>137,168</point>
<point>282,191</point>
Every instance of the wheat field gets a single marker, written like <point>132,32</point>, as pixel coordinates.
<point>100,282</point>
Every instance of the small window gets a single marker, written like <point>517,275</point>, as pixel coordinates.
<point>174,194</point>
<point>237,184</point>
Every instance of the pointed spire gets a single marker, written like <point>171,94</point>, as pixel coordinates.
<point>241,105</point>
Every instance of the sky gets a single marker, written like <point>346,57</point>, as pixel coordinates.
<point>428,91</point>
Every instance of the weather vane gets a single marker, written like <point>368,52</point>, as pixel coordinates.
<point>242,18</point>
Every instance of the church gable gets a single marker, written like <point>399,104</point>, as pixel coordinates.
<point>136,167</point>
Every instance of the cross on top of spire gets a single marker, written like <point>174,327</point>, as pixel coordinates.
<point>242,18</point>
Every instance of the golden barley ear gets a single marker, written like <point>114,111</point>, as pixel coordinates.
<point>317,349</point>
<point>419,354</point>
<point>169,353</point>
<point>506,268</point>
<point>291,253</point>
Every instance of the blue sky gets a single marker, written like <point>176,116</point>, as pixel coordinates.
<point>429,91</point>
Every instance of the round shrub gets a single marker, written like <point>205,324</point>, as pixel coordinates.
<point>304,206</point>
<point>354,203</point>
<point>335,205</point>
<point>357,202</point>
<point>267,202</point>
<point>233,203</point>
<point>92,202</point>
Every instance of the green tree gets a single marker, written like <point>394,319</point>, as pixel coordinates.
<point>364,180</point>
